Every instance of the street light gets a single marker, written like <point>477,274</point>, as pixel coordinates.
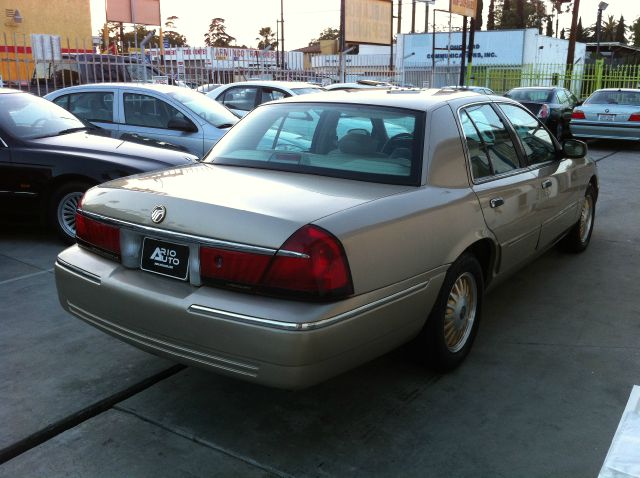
<point>601,6</point>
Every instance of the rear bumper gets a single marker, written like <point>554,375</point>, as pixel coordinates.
<point>274,342</point>
<point>601,130</point>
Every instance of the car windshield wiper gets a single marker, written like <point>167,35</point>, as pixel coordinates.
<point>71,130</point>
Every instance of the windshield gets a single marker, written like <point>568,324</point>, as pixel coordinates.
<point>367,143</point>
<point>304,91</point>
<point>535,96</point>
<point>621,97</point>
<point>206,107</point>
<point>25,116</point>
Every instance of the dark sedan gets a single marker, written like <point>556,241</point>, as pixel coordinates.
<point>552,105</point>
<point>48,158</point>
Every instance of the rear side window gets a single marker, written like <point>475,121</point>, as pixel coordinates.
<point>491,149</point>
<point>367,143</point>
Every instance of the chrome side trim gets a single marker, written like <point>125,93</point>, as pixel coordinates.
<point>304,326</point>
<point>77,271</point>
<point>23,193</point>
<point>4,145</point>
<point>181,236</point>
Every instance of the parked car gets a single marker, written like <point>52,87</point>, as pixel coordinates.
<point>83,68</point>
<point>206,88</point>
<point>552,105</point>
<point>49,158</point>
<point>243,96</point>
<point>175,115</point>
<point>610,113</point>
<point>287,267</point>
<point>361,84</point>
<point>476,89</point>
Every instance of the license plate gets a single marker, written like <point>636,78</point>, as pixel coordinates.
<point>606,117</point>
<point>165,258</point>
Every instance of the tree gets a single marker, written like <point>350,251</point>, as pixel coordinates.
<point>621,31</point>
<point>520,14</point>
<point>170,36</point>
<point>635,32</point>
<point>549,31</point>
<point>562,35</point>
<point>267,39</point>
<point>326,34</point>
<point>582,34</point>
<point>491,17</point>
<point>535,13</point>
<point>217,35</point>
<point>608,29</point>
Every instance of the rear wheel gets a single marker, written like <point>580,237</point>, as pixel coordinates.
<point>62,209</point>
<point>580,235</point>
<point>453,322</point>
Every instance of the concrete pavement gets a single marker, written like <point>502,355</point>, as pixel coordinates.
<point>539,396</point>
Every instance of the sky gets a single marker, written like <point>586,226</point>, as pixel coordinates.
<point>305,19</point>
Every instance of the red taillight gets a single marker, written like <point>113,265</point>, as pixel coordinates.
<point>320,270</point>
<point>634,117</point>
<point>232,266</point>
<point>544,112</point>
<point>99,235</point>
<point>310,264</point>
<point>578,114</point>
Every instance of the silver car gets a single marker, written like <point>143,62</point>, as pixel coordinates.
<point>286,266</point>
<point>176,116</point>
<point>243,96</point>
<point>610,113</point>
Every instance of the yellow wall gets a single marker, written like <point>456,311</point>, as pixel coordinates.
<point>67,18</point>
<point>70,19</point>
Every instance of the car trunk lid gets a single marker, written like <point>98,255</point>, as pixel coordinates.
<point>245,205</point>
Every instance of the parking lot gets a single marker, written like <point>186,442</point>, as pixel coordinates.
<point>540,395</point>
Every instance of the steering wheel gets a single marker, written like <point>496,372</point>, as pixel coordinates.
<point>396,141</point>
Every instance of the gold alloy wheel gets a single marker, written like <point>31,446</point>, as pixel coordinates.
<point>586,219</point>
<point>460,312</point>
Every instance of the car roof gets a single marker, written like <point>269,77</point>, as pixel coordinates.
<point>140,86</point>
<point>283,84</point>
<point>410,98</point>
<point>5,91</point>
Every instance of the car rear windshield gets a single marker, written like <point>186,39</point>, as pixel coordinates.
<point>535,96</point>
<point>621,97</point>
<point>304,91</point>
<point>367,143</point>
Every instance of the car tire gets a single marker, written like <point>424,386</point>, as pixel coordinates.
<point>62,208</point>
<point>578,238</point>
<point>453,322</point>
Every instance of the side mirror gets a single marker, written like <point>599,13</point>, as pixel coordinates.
<point>574,149</point>
<point>182,124</point>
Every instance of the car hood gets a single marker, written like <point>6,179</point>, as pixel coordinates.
<point>246,205</point>
<point>93,145</point>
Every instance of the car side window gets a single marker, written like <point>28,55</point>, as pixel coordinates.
<point>240,98</point>
<point>144,110</point>
<point>494,142</point>
<point>62,101</point>
<point>536,140</point>
<point>92,106</point>
<point>563,99</point>
<point>272,94</point>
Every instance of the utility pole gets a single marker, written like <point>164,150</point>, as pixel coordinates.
<point>463,46</point>
<point>572,43</point>
<point>282,62</point>
<point>413,17</point>
<point>399,16</point>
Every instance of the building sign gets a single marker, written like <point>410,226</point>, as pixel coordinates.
<point>368,21</point>
<point>466,8</point>
<point>140,12</point>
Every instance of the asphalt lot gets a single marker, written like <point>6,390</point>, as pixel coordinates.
<point>540,395</point>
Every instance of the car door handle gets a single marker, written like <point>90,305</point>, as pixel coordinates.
<point>496,202</point>
<point>547,183</point>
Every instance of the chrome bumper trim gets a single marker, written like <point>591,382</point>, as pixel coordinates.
<point>304,326</point>
<point>181,236</point>
<point>77,271</point>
